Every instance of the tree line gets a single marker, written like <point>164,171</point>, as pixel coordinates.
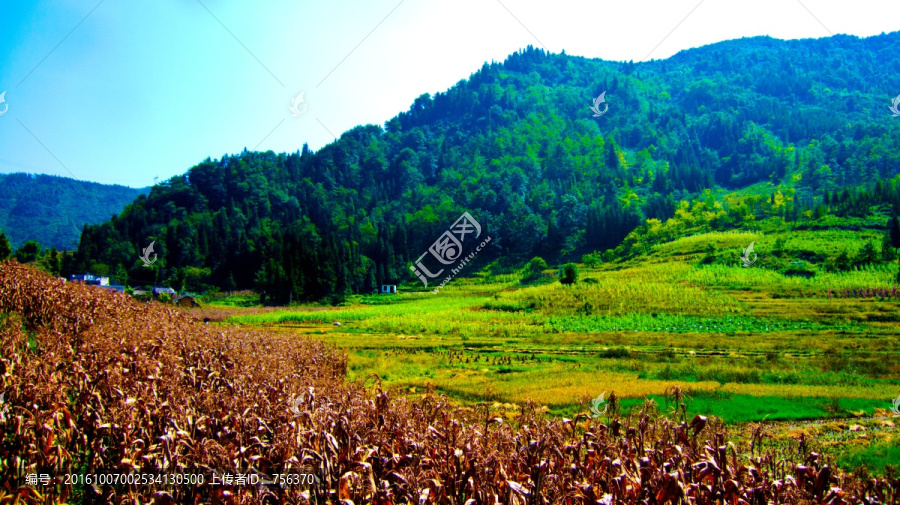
<point>517,147</point>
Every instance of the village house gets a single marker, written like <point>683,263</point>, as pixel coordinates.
<point>161,290</point>
<point>93,280</point>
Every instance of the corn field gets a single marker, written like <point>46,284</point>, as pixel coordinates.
<point>95,381</point>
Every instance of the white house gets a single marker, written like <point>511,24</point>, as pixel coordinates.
<point>388,288</point>
<point>94,280</point>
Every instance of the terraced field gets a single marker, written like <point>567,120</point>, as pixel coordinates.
<point>749,344</point>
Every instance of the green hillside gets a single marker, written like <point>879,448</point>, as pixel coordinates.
<point>52,210</point>
<point>794,130</point>
<point>722,243</point>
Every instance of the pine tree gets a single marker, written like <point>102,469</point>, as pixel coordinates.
<point>867,255</point>
<point>121,275</point>
<point>53,264</point>
<point>5,249</point>
<point>28,252</point>
<point>893,226</point>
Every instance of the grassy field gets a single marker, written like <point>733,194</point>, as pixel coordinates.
<point>748,344</point>
<point>222,399</point>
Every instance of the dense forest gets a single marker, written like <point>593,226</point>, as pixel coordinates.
<point>52,210</point>
<point>517,146</point>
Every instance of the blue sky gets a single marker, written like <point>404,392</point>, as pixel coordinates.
<point>120,92</point>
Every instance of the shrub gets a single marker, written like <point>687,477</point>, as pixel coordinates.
<point>536,266</point>
<point>5,249</point>
<point>592,259</point>
<point>709,254</point>
<point>799,271</point>
<point>568,273</point>
<point>868,254</point>
<point>888,252</point>
<point>28,252</point>
<point>778,250</point>
<point>614,353</point>
<point>839,264</point>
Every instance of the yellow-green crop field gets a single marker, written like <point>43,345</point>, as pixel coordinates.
<point>749,344</point>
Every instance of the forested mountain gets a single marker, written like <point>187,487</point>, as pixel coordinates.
<point>517,146</point>
<point>52,210</point>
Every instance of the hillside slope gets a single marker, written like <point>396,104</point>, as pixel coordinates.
<point>516,145</point>
<point>52,210</point>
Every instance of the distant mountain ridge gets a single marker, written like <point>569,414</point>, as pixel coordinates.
<point>516,146</point>
<point>52,209</point>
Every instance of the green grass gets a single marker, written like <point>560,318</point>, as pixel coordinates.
<point>675,323</point>
<point>235,299</point>
<point>874,457</point>
<point>734,409</point>
<point>750,344</point>
<point>636,330</point>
